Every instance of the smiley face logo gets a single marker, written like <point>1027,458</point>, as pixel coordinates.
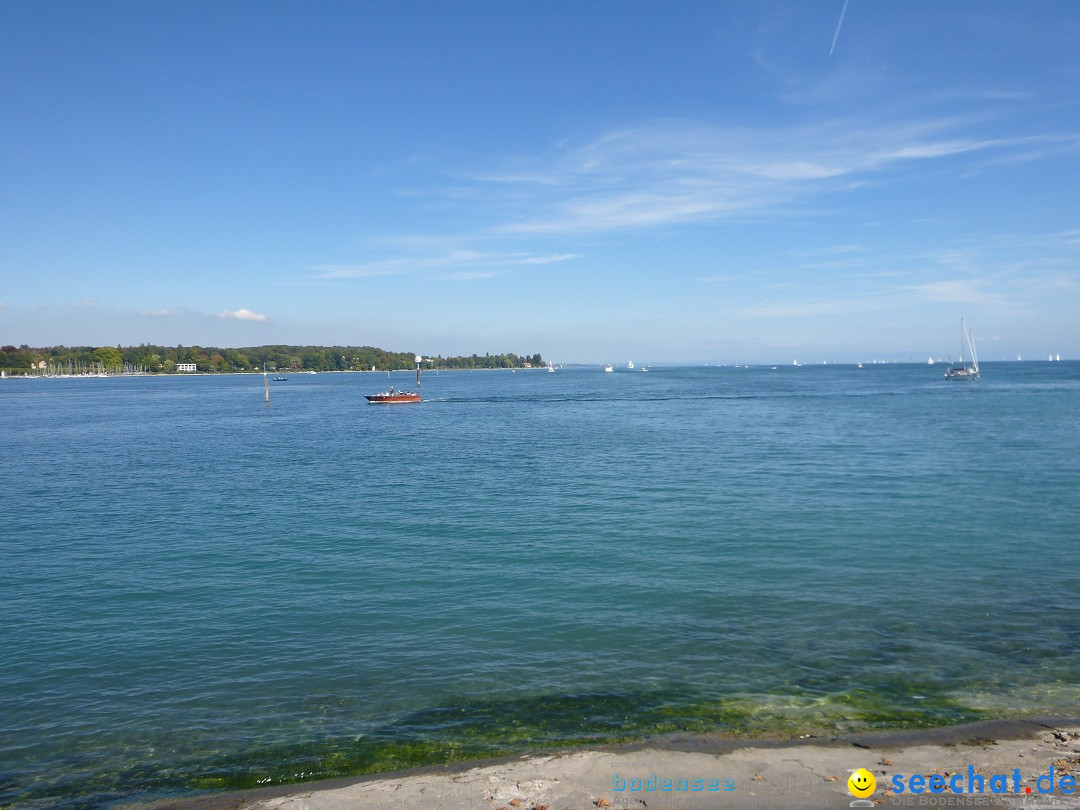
<point>861,783</point>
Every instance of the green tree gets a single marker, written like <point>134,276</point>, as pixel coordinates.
<point>112,359</point>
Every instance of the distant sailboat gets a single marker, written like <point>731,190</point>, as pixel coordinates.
<point>630,365</point>
<point>551,368</point>
<point>930,362</point>
<point>967,343</point>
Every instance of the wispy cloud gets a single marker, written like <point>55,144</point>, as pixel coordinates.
<point>831,250</point>
<point>815,308</point>
<point>534,210</point>
<point>458,262</point>
<point>967,291</point>
<point>728,279</point>
<point>670,172</point>
<point>476,275</point>
<point>154,313</point>
<point>959,276</point>
<point>243,315</point>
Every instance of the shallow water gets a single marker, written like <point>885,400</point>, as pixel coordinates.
<point>201,591</point>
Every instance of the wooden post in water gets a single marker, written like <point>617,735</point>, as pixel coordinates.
<point>266,383</point>
<point>419,359</point>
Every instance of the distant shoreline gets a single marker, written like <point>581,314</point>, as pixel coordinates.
<point>178,374</point>
<point>28,375</point>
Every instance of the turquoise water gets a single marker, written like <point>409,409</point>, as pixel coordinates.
<point>200,591</point>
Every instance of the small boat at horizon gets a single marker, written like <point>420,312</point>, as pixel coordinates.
<point>967,343</point>
<point>609,367</point>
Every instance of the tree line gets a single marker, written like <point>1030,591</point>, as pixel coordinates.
<point>150,359</point>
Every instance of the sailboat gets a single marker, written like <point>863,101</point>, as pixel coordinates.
<point>630,365</point>
<point>551,368</point>
<point>967,343</point>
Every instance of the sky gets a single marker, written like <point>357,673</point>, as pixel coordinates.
<point>596,181</point>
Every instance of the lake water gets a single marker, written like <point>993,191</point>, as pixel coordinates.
<point>201,591</point>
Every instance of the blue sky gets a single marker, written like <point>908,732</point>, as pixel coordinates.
<point>656,181</point>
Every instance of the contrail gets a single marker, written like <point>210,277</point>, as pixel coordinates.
<point>836,36</point>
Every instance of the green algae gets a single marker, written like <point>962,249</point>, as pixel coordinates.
<point>479,729</point>
<point>867,709</point>
<point>475,729</point>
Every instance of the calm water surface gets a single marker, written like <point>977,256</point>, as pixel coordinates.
<point>200,591</point>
